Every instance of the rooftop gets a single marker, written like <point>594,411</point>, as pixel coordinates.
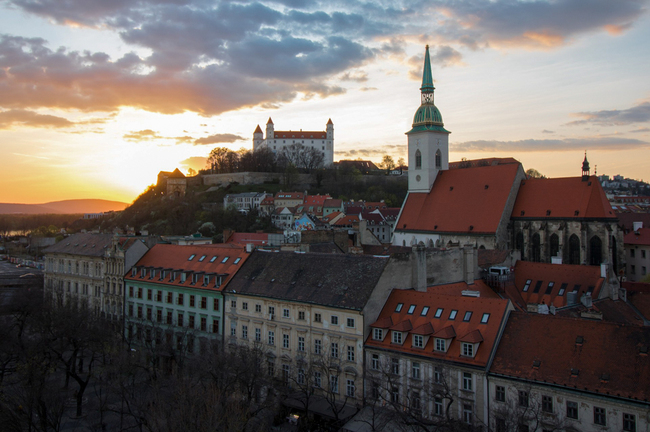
<point>82,244</point>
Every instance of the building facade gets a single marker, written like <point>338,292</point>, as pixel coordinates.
<point>277,141</point>
<point>637,253</point>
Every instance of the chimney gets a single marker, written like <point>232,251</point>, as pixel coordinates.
<point>586,300</point>
<point>419,261</point>
<point>249,247</point>
<point>469,263</point>
<point>637,226</point>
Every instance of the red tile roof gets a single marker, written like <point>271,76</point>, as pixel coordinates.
<point>616,311</point>
<point>258,129</point>
<point>482,162</point>
<point>403,326</point>
<point>627,220</point>
<point>565,198</point>
<point>469,200</point>
<point>442,327</point>
<point>638,237</point>
<point>332,202</point>
<point>472,337</point>
<point>563,276</point>
<point>316,200</point>
<point>458,288</point>
<point>300,134</point>
<point>346,221</point>
<point>176,257</point>
<point>638,293</point>
<point>249,238</point>
<point>609,359</point>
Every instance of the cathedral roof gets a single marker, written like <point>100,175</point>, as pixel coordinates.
<point>564,198</point>
<point>467,200</point>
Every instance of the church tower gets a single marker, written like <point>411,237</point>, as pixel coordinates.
<point>428,140</point>
<point>585,168</point>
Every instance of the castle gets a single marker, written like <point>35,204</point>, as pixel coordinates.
<point>276,141</point>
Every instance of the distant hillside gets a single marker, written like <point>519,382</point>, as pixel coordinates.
<point>64,207</point>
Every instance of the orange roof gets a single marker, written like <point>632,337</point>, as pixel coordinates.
<point>245,238</point>
<point>565,278</point>
<point>258,129</point>
<point>205,259</point>
<point>638,237</point>
<point>468,200</point>
<point>347,220</point>
<point>565,198</point>
<point>458,288</point>
<point>316,199</point>
<point>300,134</point>
<point>290,195</point>
<point>638,293</point>
<point>606,358</point>
<point>482,162</point>
<point>446,326</point>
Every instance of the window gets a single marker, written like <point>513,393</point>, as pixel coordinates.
<point>149,294</point>
<point>415,370</point>
<point>418,341</point>
<point>467,413</point>
<point>180,299</point>
<point>600,416</point>
<point>349,388</point>
<point>244,305</point>
<point>233,304</point>
<point>301,315</point>
<point>418,159</point>
<point>317,317</point>
<point>631,253</point>
<point>271,310</point>
<point>140,293</point>
<point>258,308</point>
<point>468,316</point>
<point>632,269</point>
<point>572,410</point>
<point>233,329</point>
<point>452,314</point>
<point>538,284</point>
<point>425,311</point>
<point>562,289</point>
<point>438,312</point>
<point>441,345</point>
<point>549,288</point>
<point>180,319</point>
<point>334,352</point>
<point>170,317</point>
<point>399,307</point>
<point>191,323</point>
<point>351,353</point>
<point>334,320</point>
<point>500,394</point>
<point>285,341</point>
<point>437,406</point>
<point>375,361</point>
<point>468,349</point>
<point>629,420</point>
<point>270,367</point>
<point>523,398</point>
<point>215,304</point>
<point>394,395</point>
<point>437,374</point>
<point>350,322</point>
<point>317,380</point>
<point>394,366</point>
<point>377,334</point>
<point>485,318</point>
<point>159,315</point>
<point>397,337</point>
<point>271,337</point>
<point>301,343</point>
<point>285,313</point>
<point>191,257</point>
<point>643,253</point>
<point>467,381</point>
<point>224,260</point>
<point>547,403</point>
<point>191,301</point>
<point>301,376</point>
<point>411,310</point>
<point>334,383</point>
<point>318,346</point>
<point>258,335</point>
<point>159,296</point>
<point>237,260</point>
<point>213,259</point>
<point>204,323</point>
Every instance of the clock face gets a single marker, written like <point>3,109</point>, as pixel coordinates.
<point>417,177</point>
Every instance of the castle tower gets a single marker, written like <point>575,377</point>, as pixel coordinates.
<point>269,131</point>
<point>585,168</point>
<point>428,140</point>
<point>330,130</point>
<point>258,137</point>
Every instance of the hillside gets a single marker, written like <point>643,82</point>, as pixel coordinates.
<point>64,207</point>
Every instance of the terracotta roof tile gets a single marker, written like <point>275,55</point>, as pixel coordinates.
<point>616,311</point>
<point>606,348</point>
<point>469,200</point>
<point>638,293</point>
<point>403,326</point>
<point>564,198</point>
<point>472,337</point>
<point>446,332</point>
<point>424,329</point>
<point>383,323</point>
<point>638,237</point>
<point>85,244</point>
<point>565,278</point>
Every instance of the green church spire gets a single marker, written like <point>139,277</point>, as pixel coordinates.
<point>427,117</point>
<point>427,78</point>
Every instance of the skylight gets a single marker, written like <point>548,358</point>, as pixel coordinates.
<point>224,260</point>
<point>237,261</point>
<point>399,307</point>
<point>213,259</point>
<point>549,288</point>
<point>438,312</point>
<point>468,316</point>
<point>527,285</point>
<point>425,311</point>
<point>202,258</point>
<point>191,257</point>
<point>452,314</point>
<point>485,318</point>
<point>538,285</point>
<point>411,309</point>
<point>562,289</point>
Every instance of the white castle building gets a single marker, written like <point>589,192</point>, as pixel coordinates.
<point>277,140</point>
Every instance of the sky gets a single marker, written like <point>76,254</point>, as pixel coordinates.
<point>98,96</point>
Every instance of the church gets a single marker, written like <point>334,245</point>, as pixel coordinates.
<point>322,141</point>
<point>491,204</point>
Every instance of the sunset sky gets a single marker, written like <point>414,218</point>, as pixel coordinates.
<point>98,96</point>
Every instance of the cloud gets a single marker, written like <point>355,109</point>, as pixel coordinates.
<point>194,162</point>
<point>357,76</point>
<point>639,113</point>
<point>535,24</point>
<point>368,89</point>
<point>641,130</point>
<point>446,56</point>
<point>143,135</point>
<point>19,117</point>
<point>547,145</point>
<point>219,139</point>
<point>373,152</point>
<point>546,131</point>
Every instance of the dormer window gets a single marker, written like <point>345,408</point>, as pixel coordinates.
<point>378,334</point>
<point>206,280</point>
<point>143,273</point>
<point>397,337</point>
<point>134,272</point>
<point>152,273</point>
<point>418,341</point>
<point>467,349</point>
<point>441,345</point>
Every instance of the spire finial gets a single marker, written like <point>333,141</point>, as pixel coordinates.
<point>427,78</point>
<point>585,168</point>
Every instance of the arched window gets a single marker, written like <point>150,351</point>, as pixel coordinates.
<point>535,247</point>
<point>418,159</point>
<point>555,245</point>
<point>595,251</point>
<point>438,159</point>
<point>574,249</point>
<point>519,244</point>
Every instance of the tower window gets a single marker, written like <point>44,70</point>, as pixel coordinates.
<point>418,159</point>
<point>438,159</point>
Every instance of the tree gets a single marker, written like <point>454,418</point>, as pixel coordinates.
<point>533,173</point>
<point>387,163</point>
<point>401,162</point>
<point>191,172</point>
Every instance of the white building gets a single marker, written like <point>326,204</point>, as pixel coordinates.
<point>277,140</point>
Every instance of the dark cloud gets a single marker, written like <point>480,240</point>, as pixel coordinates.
<point>219,139</point>
<point>537,24</point>
<point>557,145</point>
<point>642,130</point>
<point>357,76</point>
<point>19,117</point>
<point>637,114</point>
